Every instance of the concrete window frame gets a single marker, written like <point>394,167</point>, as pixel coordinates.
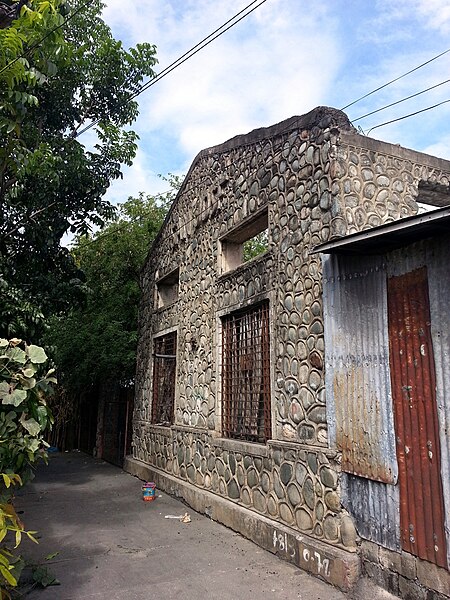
<point>231,245</point>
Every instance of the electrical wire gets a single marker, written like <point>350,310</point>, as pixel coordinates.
<point>186,56</point>
<point>409,115</point>
<point>396,79</point>
<point>49,33</point>
<point>400,101</point>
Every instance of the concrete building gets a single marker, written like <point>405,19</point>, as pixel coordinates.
<point>236,408</point>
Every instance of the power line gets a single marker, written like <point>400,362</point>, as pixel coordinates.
<point>49,33</point>
<point>400,101</point>
<point>409,115</point>
<point>396,79</point>
<point>187,55</point>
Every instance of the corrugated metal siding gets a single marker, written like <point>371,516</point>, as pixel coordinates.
<point>357,366</point>
<point>416,424</point>
<point>439,289</point>
<point>434,254</point>
<point>375,508</point>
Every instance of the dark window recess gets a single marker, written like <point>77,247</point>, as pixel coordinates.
<point>167,288</point>
<point>164,368</point>
<point>246,374</point>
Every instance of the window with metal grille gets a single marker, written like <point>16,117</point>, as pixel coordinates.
<point>164,368</point>
<point>246,374</point>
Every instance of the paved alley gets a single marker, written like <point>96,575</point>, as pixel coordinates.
<point>109,544</point>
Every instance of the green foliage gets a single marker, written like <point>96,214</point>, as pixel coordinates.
<point>24,418</point>
<point>24,415</point>
<point>50,183</point>
<point>255,246</point>
<point>96,343</point>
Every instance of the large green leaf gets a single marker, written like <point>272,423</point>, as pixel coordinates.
<point>17,355</point>
<point>31,425</point>
<point>10,395</point>
<point>36,354</point>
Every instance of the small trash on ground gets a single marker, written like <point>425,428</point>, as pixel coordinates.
<point>148,491</point>
<point>182,518</point>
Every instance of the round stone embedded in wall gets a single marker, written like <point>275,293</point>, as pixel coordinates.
<point>286,514</point>
<point>304,520</point>
<point>285,473</point>
<point>245,497</point>
<point>233,489</point>
<point>222,487</point>
<point>272,506</point>
<point>300,473</point>
<point>332,501</point>
<point>220,466</point>
<point>240,475</point>
<point>291,386</point>
<point>328,477</point>
<point>315,381</point>
<point>330,528</point>
<point>308,492</point>
<point>191,472</point>
<point>305,433</point>
<point>279,490</point>
<point>293,494</point>
<point>296,412</point>
<point>306,397</point>
<point>319,511</point>
<point>348,532</point>
<point>207,480</point>
<point>265,482</point>
<point>259,501</point>
<point>318,414</point>
<point>252,478</point>
<point>232,463</point>
<point>312,462</point>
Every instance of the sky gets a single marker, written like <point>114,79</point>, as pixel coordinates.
<point>284,59</point>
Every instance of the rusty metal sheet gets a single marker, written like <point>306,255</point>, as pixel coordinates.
<point>358,385</point>
<point>416,421</point>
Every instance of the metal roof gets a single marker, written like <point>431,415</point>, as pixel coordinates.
<point>390,236</point>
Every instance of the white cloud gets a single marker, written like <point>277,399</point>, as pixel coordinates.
<point>440,149</point>
<point>284,59</point>
<point>260,72</point>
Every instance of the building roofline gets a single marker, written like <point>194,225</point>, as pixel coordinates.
<point>390,236</point>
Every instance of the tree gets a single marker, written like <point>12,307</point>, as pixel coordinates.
<point>96,343</point>
<point>52,83</point>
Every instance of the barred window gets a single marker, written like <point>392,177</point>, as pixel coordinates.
<point>164,368</point>
<point>246,374</point>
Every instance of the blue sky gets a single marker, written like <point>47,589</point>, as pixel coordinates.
<point>283,60</point>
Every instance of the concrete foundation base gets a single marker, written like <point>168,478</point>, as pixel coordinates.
<point>333,565</point>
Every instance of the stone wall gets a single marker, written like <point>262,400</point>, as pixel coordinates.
<point>317,179</point>
<point>294,485</point>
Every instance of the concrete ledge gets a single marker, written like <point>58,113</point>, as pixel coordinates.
<point>333,565</point>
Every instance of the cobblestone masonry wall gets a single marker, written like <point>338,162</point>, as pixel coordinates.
<point>318,180</point>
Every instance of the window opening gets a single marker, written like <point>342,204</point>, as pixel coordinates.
<point>246,374</point>
<point>167,288</point>
<point>164,369</point>
<point>247,241</point>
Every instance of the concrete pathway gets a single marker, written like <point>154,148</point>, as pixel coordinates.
<point>112,545</point>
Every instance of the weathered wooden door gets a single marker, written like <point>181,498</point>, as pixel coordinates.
<point>415,415</point>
